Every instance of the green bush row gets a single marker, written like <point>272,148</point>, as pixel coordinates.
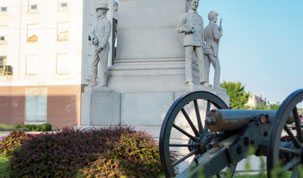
<point>27,127</point>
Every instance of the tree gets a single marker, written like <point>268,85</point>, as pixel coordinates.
<point>267,107</point>
<point>274,106</point>
<point>261,107</point>
<point>238,97</point>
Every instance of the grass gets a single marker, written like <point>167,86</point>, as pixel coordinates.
<point>4,167</point>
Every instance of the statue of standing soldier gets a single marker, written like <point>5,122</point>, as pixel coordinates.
<point>212,34</point>
<point>99,38</point>
<point>191,26</point>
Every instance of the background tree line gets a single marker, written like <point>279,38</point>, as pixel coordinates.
<point>238,97</point>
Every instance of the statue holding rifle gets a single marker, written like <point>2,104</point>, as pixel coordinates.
<point>212,34</point>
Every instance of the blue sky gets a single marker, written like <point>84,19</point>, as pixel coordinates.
<point>262,44</point>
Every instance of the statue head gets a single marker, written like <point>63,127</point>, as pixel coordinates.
<point>193,4</point>
<point>101,9</point>
<point>213,16</point>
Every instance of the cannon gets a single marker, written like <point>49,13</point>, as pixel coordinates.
<point>201,134</point>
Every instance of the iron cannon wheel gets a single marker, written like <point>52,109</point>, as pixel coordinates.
<point>280,126</point>
<point>184,118</point>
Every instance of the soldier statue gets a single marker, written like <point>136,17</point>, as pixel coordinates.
<point>99,38</point>
<point>191,26</point>
<point>213,33</point>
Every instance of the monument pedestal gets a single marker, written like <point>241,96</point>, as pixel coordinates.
<point>100,106</point>
<point>148,74</point>
<point>140,109</point>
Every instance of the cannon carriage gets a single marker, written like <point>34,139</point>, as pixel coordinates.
<point>200,134</point>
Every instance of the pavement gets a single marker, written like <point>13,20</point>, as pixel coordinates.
<point>4,133</point>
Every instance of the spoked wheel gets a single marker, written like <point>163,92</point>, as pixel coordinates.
<point>182,131</point>
<point>276,150</point>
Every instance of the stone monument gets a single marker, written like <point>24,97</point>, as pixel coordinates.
<point>148,72</point>
<point>191,26</point>
<point>213,34</point>
<point>99,38</point>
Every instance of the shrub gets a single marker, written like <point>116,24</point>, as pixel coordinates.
<point>45,127</point>
<point>112,152</point>
<point>28,127</point>
<point>133,155</point>
<point>4,127</point>
<point>35,128</point>
<point>31,127</point>
<point>62,154</point>
<point>10,142</point>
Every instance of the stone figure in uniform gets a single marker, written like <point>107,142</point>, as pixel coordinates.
<point>191,26</point>
<point>99,38</point>
<point>212,34</point>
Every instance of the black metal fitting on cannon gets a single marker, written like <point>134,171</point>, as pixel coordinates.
<point>239,149</point>
<point>265,134</point>
<point>246,141</point>
<point>267,118</point>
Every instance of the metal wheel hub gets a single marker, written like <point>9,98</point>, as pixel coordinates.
<point>191,148</point>
<point>203,141</point>
<point>200,145</point>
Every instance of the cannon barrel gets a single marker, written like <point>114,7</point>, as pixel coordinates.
<point>228,120</point>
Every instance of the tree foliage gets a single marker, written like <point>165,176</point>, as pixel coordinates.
<point>238,97</point>
<point>267,107</point>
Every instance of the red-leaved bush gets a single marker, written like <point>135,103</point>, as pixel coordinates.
<point>112,152</point>
<point>133,155</point>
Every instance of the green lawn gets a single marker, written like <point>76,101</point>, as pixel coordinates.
<point>3,167</point>
<point>5,174</point>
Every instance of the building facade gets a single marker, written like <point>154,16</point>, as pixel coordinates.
<point>254,100</point>
<point>40,61</point>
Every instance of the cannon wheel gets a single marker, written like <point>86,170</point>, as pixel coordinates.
<point>198,130</point>
<point>279,124</point>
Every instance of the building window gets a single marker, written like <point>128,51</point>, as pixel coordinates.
<point>5,70</point>
<point>32,33</point>
<point>32,5</point>
<point>36,105</point>
<point>3,9</point>
<point>32,65</point>
<point>2,65</point>
<point>63,31</point>
<point>3,35</point>
<point>63,5</point>
<point>62,64</point>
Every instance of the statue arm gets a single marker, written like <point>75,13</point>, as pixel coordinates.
<point>217,34</point>
<point>93,38</point>
<point>106,35</point>
<point>181,27</point>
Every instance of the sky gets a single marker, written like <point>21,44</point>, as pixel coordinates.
<point>262,44</point>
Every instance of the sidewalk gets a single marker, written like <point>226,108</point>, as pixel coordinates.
<point>4,133</point>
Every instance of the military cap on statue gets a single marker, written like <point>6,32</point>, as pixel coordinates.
<point>102,7</point>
